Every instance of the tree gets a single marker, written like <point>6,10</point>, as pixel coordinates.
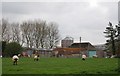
<point>31,33</point>
<point>5,30</point>
<point>27,28</point>
<point>12,48</point>
<point>53,35</point>
<point>40,33</point>
<point>118,31</point>
<point>15,32</point>
<point>111,35</point>
<point>118,37</point>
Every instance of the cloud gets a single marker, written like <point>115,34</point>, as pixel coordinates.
<point>0,8</point>
<point>119,11</point>
<point>74,18</point>
<point>58,0</point>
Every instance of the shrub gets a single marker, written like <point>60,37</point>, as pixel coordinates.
<point>12,48</point>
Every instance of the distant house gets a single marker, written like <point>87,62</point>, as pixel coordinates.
<point>100,50</point>
<point>67,52</point>
<point>39,51</point>
<point>27,52</point>
<point>44,52</point>
<point>85,45</point>
<point>90,50</point>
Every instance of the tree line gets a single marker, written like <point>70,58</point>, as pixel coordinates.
<point>31,33</point>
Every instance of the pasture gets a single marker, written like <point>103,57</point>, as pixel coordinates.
<point>61,66</point>
<point>0,66</point>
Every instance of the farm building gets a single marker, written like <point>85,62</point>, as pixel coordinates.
<point>30,52</point>
<point>100,50</point>
<point>89,49</point>
<point>66,42</point>
<point>67,52</point>
<point>44,52</point>
<point>27,52</point>
<point>85,45</point>
<point>75,50</point>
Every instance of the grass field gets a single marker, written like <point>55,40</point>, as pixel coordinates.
<point>0,66</point>
<point>61,66</point>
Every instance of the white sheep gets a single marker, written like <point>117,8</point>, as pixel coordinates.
<point>36,57</point>
<point>83,57</point>
<point>15,59</point>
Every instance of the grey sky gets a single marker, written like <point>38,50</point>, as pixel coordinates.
<point>75,19</point>
<point>119,11</point>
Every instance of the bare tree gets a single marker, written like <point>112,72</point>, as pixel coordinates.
<point>6,30</point>
<point>27,33</point>
<point>53,35</point>
<point>37,33</point>
<point>40,33</point>
<point>16,36</point>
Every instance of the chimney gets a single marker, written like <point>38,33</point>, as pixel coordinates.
<point>80,39</point>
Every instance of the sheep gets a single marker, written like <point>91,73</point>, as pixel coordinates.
<point>15,59</point>
<point>83,57</point>
<point>36,57</point>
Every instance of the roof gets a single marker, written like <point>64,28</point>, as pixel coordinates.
<point>82,45</point>
<point>68,38</point>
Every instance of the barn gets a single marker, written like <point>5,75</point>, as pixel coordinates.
<point>44,52</point>
<point>89,49</point>
<point>27,52</point>
<point>68,52</point>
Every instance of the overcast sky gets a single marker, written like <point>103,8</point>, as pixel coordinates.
<point>76,19</point>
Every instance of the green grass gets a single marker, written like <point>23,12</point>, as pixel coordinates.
<point>61,66</point>
<point>0,66</point>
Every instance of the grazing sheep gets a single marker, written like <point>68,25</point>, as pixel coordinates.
<point>83,57</point>
<point>36,57</point>
<point>15,59</point>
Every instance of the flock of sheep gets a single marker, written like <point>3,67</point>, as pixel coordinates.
<point>15,58</point>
